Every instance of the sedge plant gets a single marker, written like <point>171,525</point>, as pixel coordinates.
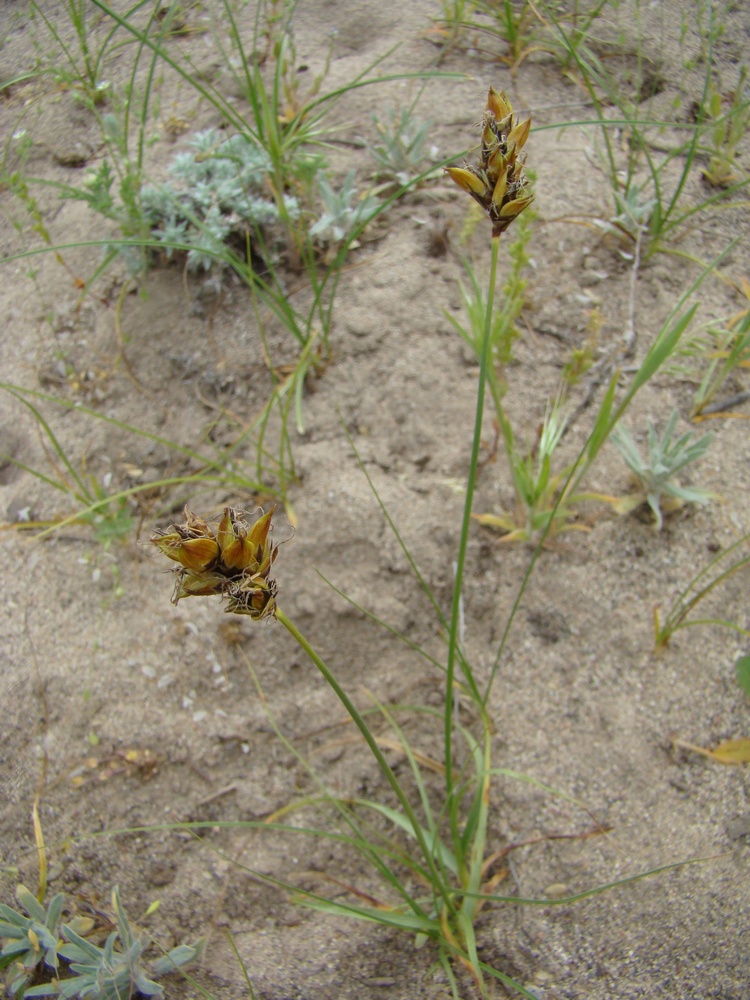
<point>546,494</point>
<point>446,850</point>
<point>235,560</point>
<point>434,855</point>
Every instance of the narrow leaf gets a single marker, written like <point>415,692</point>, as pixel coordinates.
<point>742,670</point>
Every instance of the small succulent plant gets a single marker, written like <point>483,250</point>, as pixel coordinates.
<point>633,215</point>
<point>342,212</point>
<point>30,940</point>
<point>400,152</point>
<point>105,973</point>
<point>656,472</point>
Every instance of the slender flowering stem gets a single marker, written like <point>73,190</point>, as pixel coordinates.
<point>497,182</point>
<point>358,720</point>
<point>485,362</point>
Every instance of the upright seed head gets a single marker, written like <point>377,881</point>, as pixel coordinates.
<point>235,562</point>
<point>497,180</point>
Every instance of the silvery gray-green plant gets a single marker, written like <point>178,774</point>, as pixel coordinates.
<point>28,940</point>
<point>633,213</point>
<point>400,154</point>
<point>342,211</point>
<point>108,973</point>
<point>656,472</point>
<point>218,189</point>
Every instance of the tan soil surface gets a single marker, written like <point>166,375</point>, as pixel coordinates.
<point>96,662</point>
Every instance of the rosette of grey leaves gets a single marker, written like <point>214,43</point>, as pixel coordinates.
<point>220,187</point>
<point>657,471</point>
<point>343,211</point>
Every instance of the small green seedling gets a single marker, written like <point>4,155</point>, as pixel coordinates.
<point>633,215</point>
<point>728,350</point>
<point>703,583</point>
<point>543,508</point>
<point>655,473</point>
<point>726,132</point>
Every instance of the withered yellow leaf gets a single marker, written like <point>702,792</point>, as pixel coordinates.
<point>733,751</point>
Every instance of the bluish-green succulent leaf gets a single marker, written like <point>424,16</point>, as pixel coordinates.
<point>178,956</point>
<point>16,947</point>
<point>54,913</point>
<point>8,930</point>
<point>148,987</point>
<point>78,949</point>
<point>31,904</point>
<point>43,990</point>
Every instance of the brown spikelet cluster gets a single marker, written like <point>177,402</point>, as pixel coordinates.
<point>497,180</point>
<point>234,561</point>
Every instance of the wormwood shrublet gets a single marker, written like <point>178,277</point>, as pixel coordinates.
<point>233,562</point>
<point>497,181</point>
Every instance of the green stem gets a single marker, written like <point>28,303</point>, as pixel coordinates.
<point>358,720</point>
<point>453,640</point>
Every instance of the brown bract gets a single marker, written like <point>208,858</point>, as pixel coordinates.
<point>235,562</point>
<point>497,180</point>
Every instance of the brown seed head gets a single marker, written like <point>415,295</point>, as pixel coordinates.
<point>197,554</point>
<point>497,180</point>
<point>235,562</point>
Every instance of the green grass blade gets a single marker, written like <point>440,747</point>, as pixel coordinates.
<point>437,848</point>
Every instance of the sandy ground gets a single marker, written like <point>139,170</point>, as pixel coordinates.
<point>96,662</point>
